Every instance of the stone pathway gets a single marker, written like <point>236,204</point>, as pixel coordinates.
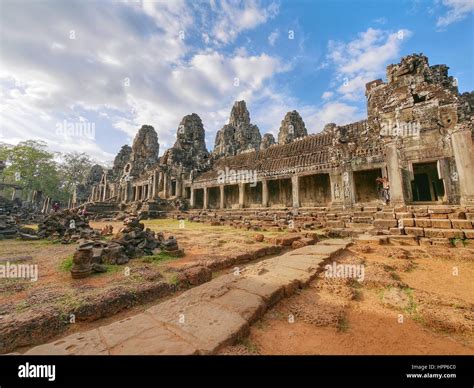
<point>206,318</point>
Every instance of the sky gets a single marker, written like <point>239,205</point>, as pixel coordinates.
<point>86,75</point>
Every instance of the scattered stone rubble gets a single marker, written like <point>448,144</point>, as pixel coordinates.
<point>67,226</point>
<point>133,240</point>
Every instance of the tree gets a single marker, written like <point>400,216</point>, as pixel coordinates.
<point>30,165</point>
<point>74,169</point>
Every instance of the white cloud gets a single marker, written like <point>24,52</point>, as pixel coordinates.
<point>364,59</point>
<point>457,10</point>
<point>272,38</point>
<point>327,95</point>
<point>45,77</point>
<point>236,16</point>
<point>331,112</point>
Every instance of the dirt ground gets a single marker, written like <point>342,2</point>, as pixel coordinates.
<point>412,300</point>
<point>56,287</point>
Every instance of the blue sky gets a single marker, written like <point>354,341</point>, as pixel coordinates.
<point>119,64</point>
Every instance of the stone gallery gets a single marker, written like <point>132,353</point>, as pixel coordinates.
<point>415,147</point>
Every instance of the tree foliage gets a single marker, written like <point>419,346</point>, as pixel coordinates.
<point>29,164</point>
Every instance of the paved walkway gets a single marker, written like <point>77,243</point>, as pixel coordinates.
<point>206,318</point>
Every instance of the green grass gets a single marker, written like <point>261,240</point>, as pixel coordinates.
<point>174,280</point>
<point>159,258</point>
<point>412,306</point>
<point>455,240</point>
<point>249,345</point>
<point>343,325</point>
<point>68,302</point>
<point>66,264</point>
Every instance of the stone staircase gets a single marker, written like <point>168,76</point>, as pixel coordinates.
<point>427,225</point>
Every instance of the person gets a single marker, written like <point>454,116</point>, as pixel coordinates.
<point>56,207</point>
<point>385,189</point>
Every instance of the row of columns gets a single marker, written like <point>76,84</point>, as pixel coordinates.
<point>265,197</point>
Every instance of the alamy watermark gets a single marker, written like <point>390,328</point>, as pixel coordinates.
<point>345,271</point>
<point>67,129</point>
<point>397,128</point>
<point>19,271</point>
<point>230,176</point>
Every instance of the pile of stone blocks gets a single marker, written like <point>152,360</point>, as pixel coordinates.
<point>67,226</point>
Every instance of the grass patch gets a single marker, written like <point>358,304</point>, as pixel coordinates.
<point>249,345</point>
<point>343,325</point>
<point>159,258</point>
<point>174,280</point>
<point>66,264</point>
<point>68,302</point>
<point>455,240</point>
<point>412,307</point>
<point>21,306</point>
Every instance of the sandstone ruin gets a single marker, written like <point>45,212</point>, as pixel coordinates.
<point>418,134</point>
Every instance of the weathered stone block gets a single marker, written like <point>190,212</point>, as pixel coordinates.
<point>396,231</point>
<point>423,222</point>
<point>469,233</point>
<point>446,233</point>
<point>419,232</point>
<point>438,216</point>
<point>403,240</point>
<point>441,242</point>
<point>441,224</point>
<point>408,222</point>
<point>336,224</point>
<point>462,224</point>
<point>385,224</point>
<point>384,216</point>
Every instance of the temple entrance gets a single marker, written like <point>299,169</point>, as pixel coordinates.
<point>173,188</point>
<point>279,193</point>
<point>214,195</point>
<point>366,186</point>
<point>253,195</point>
<point>199,198</point>
<point>426,185</point>
<point>315,190</point>
<point>231,196</point>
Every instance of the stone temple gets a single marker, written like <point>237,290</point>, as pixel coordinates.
<point>418,134</point>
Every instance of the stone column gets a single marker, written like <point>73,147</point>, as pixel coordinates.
<point>206,198</point>
<point>264,193</point>
<point>241,195</point>
<point>463,150</point>
<point>16,194</point>
<point>165,185</point>
<point>179,188</point>
<point>337,188</point>
<point>394,174</point>
<point>295,190</point>
<point>47,205</point>
<point>221,197</point>
<point>155,184</point>
<point>192,197</point>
